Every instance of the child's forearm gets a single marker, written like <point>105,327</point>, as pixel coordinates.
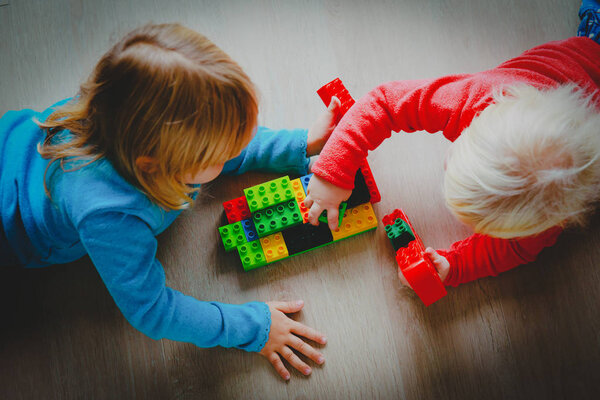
<point>395,106</point>
<point>281,150</point>
<point>123,249</point>
<point>479,256</point>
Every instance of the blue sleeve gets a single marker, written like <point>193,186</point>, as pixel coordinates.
<point>123,249</point>
<point>272,150</point>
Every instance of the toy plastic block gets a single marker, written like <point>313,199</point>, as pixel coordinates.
<point>342,210</point>
<point>370,181</point>
<point>399,234</point>
<point>277,218</point>
<point>305,179</point>
<point>252,255</point>
<point>274,247</point>
<point>269,193</point>
<point>360,193</point>
<point>391,218</point>
<point>420,273</point>
<point>300,196</point>
<point>249,230</point>
<point>356,220</point>
<point>336,88</point>
<point>232,235</point>
<point>236,209</point>
<point>302,238</point>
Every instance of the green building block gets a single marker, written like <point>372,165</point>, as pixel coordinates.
<point>232,235</point>
<point>277,218</point>
<point>343,205</point>
<point>399,234</point>
<point>252,255</point>
<point>269,193</point>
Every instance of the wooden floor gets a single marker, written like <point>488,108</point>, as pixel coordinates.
<point>532,333</point>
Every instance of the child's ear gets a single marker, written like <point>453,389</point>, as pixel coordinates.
<point>146,164</point>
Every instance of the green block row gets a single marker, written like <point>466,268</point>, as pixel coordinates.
<point>269,193</point>
<point>277,218</point>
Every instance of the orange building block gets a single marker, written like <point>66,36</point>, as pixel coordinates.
<point>300,196</point>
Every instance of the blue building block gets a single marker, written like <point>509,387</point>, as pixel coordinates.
<point>305,179</point>
<point>249,230</point>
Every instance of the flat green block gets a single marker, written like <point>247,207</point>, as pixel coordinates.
<point>323,217</point>
<point>269,193</point>
<point>232,235</point>
<point>251,255</point>
<point>277,218</point>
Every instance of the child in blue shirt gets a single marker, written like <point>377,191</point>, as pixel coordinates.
<point>102,174</point>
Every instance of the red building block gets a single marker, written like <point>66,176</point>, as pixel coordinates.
<point>236,209</point>
<point>418,270</point>
<point>336,88</point>
<point>370,181</point>
<point>420,273</point>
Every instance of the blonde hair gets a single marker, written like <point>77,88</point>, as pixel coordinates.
<point>528,162</point>
<point>165,92</point>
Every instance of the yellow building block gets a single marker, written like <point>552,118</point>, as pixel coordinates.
<point>300,196</point>
<point>274,247</point>
<point>356,220</point>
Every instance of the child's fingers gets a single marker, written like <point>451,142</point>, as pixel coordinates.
<point>295,361</point>
<point>314,213</point>
<point>308,201</point>
<point>332,218</point>
<point>278,365</point>
<point>402,278</point>
<point>309,333</point>
<point>288,306</point>
<point>334,104</point>
<point>307,350</point>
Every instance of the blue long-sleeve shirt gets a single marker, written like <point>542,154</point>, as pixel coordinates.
<point>94,211</point>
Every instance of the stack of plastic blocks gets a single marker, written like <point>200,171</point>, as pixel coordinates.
<point>272,217</point>
<point>418,270</point>
<point>276,224</point>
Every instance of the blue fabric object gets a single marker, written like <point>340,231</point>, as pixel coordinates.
<point>95,211</point>
<point>589,12</point>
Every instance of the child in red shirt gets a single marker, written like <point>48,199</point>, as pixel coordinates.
<point>525,161</point>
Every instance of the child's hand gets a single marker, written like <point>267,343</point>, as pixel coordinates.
<point>284,336</point>
<point>322,128</point>
<point>322,195</point>
<point>439,262</point>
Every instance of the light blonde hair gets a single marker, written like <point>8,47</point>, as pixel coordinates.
<point>165,92</point>
<point>528,162</point>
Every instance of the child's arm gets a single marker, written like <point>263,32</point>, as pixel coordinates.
<point>282,150</point>
<point>446,104</point>
<point>123,249</point>
<point>479,256</point>
<point>285,150</point>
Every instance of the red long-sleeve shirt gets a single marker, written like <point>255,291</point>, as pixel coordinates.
<point>449,104</point>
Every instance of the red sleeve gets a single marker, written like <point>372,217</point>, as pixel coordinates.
<point>479,256</point>
<point>446,104</point>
